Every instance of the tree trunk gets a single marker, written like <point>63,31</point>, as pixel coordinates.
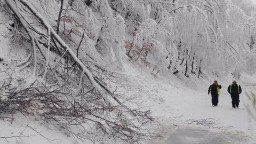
<point>59,17</point>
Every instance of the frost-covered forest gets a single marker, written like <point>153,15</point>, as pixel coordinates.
<point>167,37</point>
<point>68,63</point>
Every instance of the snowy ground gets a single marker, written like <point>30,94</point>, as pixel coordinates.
<point>192,136</point>
<point>26,130</point>
<point>181,107</point>
<point>185,113</point>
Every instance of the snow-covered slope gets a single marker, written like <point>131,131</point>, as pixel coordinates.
<point>157,55</point>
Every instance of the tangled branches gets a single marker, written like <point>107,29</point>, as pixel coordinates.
<point>75,114</point>
<point>64,91</point>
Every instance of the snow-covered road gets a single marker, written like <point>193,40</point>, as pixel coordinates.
<point>188,136</point>
<point>187,113</point>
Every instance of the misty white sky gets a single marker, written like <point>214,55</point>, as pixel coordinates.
<point>254,1</point>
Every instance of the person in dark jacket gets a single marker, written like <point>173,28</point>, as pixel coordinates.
<point>214,89</point>
<point>234,90</point>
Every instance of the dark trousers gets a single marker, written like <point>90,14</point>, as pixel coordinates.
<point>215,99</point>
<point>235,100</point>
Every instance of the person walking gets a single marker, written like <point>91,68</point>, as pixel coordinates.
<point>234,90</point>
<point>214,89</point>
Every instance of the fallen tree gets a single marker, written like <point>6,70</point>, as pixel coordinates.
<point>79,97</point>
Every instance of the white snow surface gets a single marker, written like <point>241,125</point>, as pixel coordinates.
<point>177,105</point>
<point>176,102</point>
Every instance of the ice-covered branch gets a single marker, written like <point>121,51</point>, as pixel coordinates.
<point>56,36</point>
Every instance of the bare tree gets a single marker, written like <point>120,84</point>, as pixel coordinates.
<point>59,16</point>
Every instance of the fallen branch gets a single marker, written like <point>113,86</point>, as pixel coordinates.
<point>77,50</point>
<point>104,91</point>
<point>59,40</point>
<point>40,133</point>
<point>65,104</point>
<point>8,137</point>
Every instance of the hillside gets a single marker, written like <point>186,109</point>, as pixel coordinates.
<point>120,71</point>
